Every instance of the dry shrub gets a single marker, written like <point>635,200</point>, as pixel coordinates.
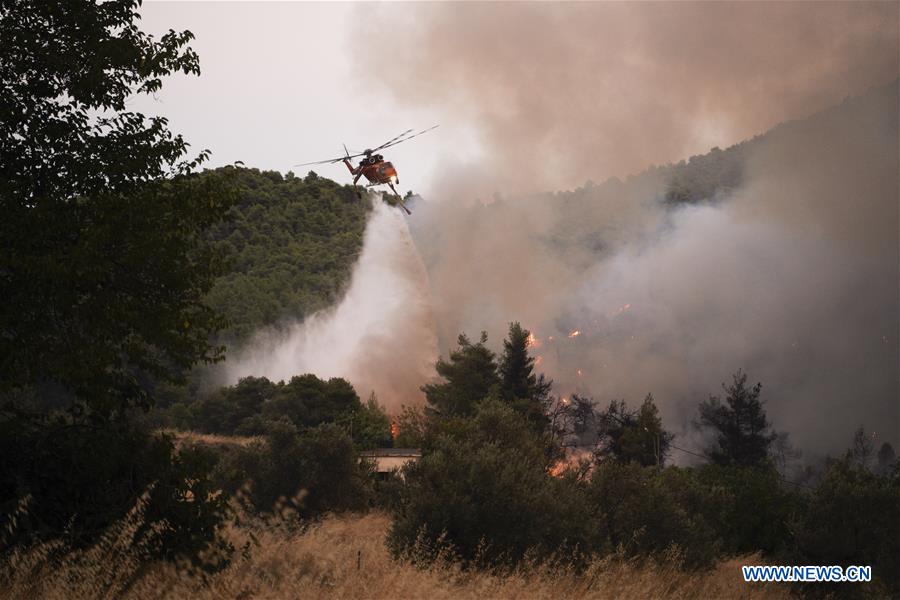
<point>345,557</point>
<point>103,570</point>
<point>183,438</point>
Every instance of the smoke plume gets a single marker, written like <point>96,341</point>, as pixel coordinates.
<point>558,93</point>
<point>380,336</point>
<point>793,276</point>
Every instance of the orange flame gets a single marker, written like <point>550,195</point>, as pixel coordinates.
<point>574,333</point>
<point>619,310</point>
<point>532,342</point>
<point>395,430</point>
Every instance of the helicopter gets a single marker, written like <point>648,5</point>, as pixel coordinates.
<point>373,166</point>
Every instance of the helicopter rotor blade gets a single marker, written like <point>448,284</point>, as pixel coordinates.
<point>330,160</point>
<point>391,142</point>
<point>394,143</point>
<point>396,137</point>
<point>320,162</point>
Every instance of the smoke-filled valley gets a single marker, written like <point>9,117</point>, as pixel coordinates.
<point>777,256</point>
<point>223,378</point>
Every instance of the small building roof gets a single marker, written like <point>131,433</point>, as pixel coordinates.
<point>397,452</point>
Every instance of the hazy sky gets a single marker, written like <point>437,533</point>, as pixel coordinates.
<point>277,88</point>
<point>592,90</point>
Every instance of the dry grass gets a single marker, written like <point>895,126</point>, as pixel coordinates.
<point>345,557</point>
<point>208,439</point>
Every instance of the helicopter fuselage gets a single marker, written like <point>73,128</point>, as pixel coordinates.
<point>379,172</point>
<point>375,169</point>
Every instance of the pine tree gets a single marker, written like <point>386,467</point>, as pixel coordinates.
<point>743,433</point>
<point>633,435</point>
<point>525,391</point>
<point>887,458</point>
<point>470,374</point>
<point>863,448</point>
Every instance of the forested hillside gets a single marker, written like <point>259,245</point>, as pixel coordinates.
<point>707,177</point>
<point>126,270</point>
<point>290,243</point>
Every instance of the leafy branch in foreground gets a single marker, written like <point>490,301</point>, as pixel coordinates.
<point>104,269</point>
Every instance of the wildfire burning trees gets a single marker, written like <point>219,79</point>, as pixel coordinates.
<point>619,310</point>
<point>562,355</point>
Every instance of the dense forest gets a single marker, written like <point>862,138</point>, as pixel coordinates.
<point>125,267</point>
<point>290,244</point>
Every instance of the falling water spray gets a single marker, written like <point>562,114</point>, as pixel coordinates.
<point>380,336</point>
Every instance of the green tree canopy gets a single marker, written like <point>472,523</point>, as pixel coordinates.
<point>312,472</point>
<point>487,492</point>
<point>743,433</point>
<point>470,374</point>
<point>853,518</point>
<point>103,271</point>
<point>520,386</point>
<point>369,426</point>
<point>634,435</point>
<point>516,366</point>
<point>291,244</point>
<point>254,402</point>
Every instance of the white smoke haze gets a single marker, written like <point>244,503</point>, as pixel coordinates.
<point>563,92</point>
<point>380,336</point>
<point>792,277</point>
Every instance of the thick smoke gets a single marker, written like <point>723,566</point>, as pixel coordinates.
<point>559,93</point>
<point>792,277</point>
<point>380,336</point>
